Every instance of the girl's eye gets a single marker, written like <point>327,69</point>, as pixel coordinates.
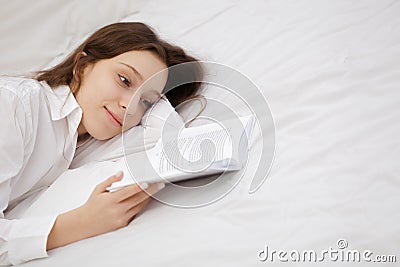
<point>147,103</point>
<point>124,80</point>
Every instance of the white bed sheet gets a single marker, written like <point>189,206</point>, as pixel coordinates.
<point>331,72</point>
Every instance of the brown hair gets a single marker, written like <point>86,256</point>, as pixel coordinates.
<point>118,38</point>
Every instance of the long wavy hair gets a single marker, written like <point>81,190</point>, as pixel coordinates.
<point>118,38</point>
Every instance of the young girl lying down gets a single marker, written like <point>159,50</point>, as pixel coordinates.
<point>45,118</point>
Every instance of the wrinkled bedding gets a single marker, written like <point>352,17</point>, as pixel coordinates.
<point>330,71</point>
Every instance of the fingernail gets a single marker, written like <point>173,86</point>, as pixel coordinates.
<point>118,174</point>
<point>144,185</point>
<point>160,186</point>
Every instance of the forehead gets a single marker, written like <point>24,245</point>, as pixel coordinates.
<point>146,63</point>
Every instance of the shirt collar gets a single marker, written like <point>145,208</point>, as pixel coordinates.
<point>61,100</point>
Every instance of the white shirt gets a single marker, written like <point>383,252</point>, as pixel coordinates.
<point>38,135</point>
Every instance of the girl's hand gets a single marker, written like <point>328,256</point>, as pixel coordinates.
<point>103,212</point>
<point>106,211</point>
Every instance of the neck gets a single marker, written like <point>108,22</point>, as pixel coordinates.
<point>82,139</point>
<point>81,130</point>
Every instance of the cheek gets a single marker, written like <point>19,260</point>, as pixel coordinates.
<point>135,107</point>
<point>132,120</point>
<point>108,92</point>
<point>102,89</point>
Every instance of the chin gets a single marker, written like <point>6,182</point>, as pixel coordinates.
<point>102,135</point>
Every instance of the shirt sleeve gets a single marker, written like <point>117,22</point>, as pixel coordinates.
<point>24,239</point>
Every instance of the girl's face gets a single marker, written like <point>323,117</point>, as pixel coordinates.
<point>112,88</point>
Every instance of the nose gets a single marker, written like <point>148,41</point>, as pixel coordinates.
<point>123,105</point>
<point>129,103</point>
<point>124,99</point>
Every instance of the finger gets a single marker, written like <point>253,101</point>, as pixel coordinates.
<point>137,209</point>
<point>129,190</point>
<point>141,196</point>
<point>102,187</point>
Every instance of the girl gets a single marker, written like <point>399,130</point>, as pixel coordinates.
<point>45,118</point>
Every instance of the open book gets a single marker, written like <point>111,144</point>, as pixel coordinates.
<point>193,152</point>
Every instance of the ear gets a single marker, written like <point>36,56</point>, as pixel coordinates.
<point>80,55</point>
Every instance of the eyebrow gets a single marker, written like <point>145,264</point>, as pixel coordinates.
<point>133,69</point>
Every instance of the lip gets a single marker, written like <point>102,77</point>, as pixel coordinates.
<point>114,118</point>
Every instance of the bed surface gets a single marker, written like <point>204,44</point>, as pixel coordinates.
<point>330,71</point>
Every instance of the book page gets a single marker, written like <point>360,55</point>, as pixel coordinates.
<point>194,152</point>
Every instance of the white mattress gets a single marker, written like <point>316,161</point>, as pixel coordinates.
<point>330,71</point>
